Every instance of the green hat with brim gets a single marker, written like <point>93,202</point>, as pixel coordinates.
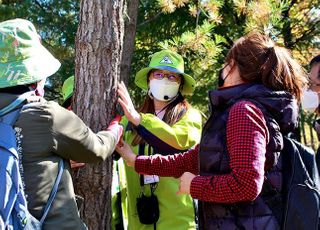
<point>23,59</point>
<point>170,61</point>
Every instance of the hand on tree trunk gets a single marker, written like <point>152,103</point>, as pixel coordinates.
<point>115,128</point>
<point>127,105</point>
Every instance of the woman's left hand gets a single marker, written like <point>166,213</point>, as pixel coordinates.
<point>185,183</point>
<point>127,105</point>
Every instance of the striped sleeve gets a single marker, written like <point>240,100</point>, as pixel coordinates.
<point>171,139</point>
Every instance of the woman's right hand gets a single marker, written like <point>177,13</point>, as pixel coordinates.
<point>127,105</point>
<point>126,153</point>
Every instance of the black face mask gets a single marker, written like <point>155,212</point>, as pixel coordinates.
<point>220,78</point>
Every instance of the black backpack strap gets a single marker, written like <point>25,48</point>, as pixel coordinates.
<point>273,198</point>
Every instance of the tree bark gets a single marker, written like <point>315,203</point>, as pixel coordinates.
<point>128,43</point>
<point>97,70</point>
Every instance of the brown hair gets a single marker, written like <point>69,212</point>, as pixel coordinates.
<point>260,60</point>
<point>174,111</point>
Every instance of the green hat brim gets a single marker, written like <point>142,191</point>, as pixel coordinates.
<point>67,88</point>
<point>38,66</point>
<point>142,81</point>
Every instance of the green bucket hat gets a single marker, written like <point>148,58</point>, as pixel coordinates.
<point>67,88</point>
<point>166,60</point>
<point>23,60</point>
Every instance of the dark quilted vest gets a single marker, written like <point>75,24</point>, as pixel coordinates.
<point>280,113</point>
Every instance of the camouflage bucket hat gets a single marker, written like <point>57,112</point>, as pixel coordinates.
<point>67,88</point>
<point>23,59</point>
<point>166,60</point>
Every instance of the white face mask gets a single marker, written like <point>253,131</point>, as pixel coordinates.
<point>309,100</point>
<point>163,90</point>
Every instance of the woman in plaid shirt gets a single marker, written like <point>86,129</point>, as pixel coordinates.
<point>255,105</point>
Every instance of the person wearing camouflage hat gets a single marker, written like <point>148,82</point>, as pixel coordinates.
<point>23,59</point>
<point>165,124</point>
<point>46,132</point>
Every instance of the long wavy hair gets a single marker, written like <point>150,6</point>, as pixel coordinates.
<point>260,60</point>
<point>174,111</point>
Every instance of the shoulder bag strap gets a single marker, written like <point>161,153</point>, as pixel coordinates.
<point>53,191</point>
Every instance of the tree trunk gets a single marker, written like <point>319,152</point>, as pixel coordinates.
<point>128,43</point>
<point>97,71</point>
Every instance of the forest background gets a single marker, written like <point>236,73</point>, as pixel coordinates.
<point>202,31</point>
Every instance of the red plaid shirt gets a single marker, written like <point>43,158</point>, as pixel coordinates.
<point>247,137</point>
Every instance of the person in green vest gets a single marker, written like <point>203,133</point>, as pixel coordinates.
<point>165,123</point>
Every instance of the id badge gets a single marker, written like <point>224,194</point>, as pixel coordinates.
<point>149,179</point>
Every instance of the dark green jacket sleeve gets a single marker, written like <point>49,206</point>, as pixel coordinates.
<point>65,134</point>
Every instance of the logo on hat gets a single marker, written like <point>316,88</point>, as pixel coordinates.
<point>166,60</point>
